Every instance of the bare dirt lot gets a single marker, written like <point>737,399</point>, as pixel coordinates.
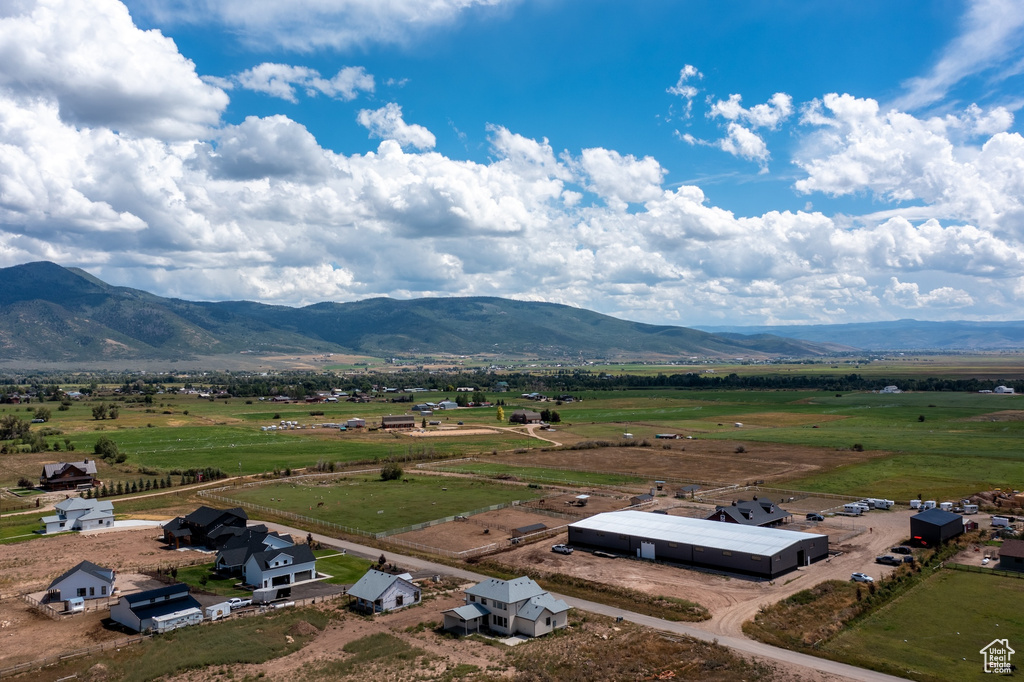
<point>731,599</point>
<point>419,433</point>
<point>697,460</point>
<point>459,536</point>
<point>27,566</point>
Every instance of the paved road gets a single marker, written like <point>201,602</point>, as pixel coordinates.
<point>746,646</point>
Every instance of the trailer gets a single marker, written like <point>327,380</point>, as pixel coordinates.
<point>1000,522</point>
<point>853,508</point>
<point>880,503</point>
<point>928,504</point>
<point>946,506</point>
<point>268,595</point>
<point>970,509</point>
<point>915,504</point>
<point>218,611</point>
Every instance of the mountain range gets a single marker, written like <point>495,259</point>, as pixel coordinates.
<point>49,313</point>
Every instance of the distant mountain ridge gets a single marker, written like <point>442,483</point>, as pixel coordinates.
<point>898,335</point>
<point>52,313</point>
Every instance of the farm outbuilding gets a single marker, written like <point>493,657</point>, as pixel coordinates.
<point>933,527</point>
<point>1011,555</point>
<point>750,550</point>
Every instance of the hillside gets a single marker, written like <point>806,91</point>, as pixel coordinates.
<point>51,313</point>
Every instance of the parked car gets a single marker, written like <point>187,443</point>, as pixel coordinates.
<point>238,602</point>
<point>815,517</point>
<point>561,549</point>
<point>861,578</point>
<point>901,549</point>
<point>888,559</point>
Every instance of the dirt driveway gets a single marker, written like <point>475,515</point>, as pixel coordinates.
<point>732,600</point>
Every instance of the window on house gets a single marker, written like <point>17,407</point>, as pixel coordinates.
<point>483,601</point>
<point>103,589</point>
<point>81,592</point>
<point>399,600</point>
<point>548,621</point>
<point>92,591</point>
<point>416,595</point>
<point>472,598</point>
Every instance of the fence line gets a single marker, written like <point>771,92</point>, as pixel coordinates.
<point>978,569</point>
<point>59,658</point>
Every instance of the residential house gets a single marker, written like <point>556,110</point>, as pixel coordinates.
<point>77,513</point>
<point>236,551</point>
<point>378,591</point>
<point>757,512</point>
<point>86,580</point>
<point>206,527</point>
<point>508,607</point>
<point>280,567</point>
<point>160,610</point>
<point>69,475</point>
<point>525,417</point>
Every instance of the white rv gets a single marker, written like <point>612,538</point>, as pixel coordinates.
<point>970,509</point>
<point>853,508</point>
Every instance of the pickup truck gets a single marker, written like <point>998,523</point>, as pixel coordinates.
<point>238,602</point>
<point>888,559</point>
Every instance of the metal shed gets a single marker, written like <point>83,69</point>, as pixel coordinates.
<point>751,550</point>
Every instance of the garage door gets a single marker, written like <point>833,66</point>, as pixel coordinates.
<point>646,550</point>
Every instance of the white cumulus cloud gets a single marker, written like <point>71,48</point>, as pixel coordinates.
<point>281,80</point>
<point>387,123</point>
<point>101,70</point>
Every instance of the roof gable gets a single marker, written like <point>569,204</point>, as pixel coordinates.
<point>374,583</point>
<point>105,574</point>
<point>508,591</point>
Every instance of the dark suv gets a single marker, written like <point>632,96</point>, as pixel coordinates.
<point>815,517</point>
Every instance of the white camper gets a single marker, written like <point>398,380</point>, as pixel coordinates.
<point>853,508</point>
<point>915,504</point>
<point>879,503</point>
<point>928,504</point>
<point>218,611</point>
<point>1000,522</point>
<point>946,506</point>
<point>970,509</point>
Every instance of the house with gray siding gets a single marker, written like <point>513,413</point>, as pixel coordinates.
<point>378,591</point>
<point>508,607</point>
<point>750,550</point>
<point>86,580</point>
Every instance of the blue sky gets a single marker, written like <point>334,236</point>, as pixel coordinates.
<point>669,162</point>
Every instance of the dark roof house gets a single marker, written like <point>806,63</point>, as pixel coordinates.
<point>206,526</point>
<point>525,417</point>
<point>161,609</point>
<point>68,475</point>
<point>1011,555</point>
<point>753,513</point>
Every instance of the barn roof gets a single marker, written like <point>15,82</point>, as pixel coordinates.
<point>700,532</point>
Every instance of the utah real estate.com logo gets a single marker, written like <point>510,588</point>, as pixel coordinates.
<point>996,655</point>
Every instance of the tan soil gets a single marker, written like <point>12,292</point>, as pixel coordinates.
<point>31,565</point>
<point>697,460</point>
<point>449,432</point>
<point>459,536</point>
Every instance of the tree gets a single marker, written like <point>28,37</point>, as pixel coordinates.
<point>391,471</point>
<point>424,423</point>
<point>42,413</point>
<point>13,427</point>
<point>105,448</point>
<point>501,414</point>
<point>113,412</point>
<point>99,411</point>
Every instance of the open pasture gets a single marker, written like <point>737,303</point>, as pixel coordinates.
<point>937,629</point>
<point>375,506</point>
<point>711,461</point>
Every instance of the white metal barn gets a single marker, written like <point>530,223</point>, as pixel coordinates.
<point>752,550</point>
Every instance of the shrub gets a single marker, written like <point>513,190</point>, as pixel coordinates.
<point>105,448</point>
<point>391,471</point>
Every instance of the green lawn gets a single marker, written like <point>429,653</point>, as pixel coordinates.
<point>20,528</point>
<point>938,628</point>
<point>344,569</point>
<point>373,505</point>
<point>225,587</point>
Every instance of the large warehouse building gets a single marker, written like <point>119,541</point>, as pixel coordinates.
<point>751,550</point>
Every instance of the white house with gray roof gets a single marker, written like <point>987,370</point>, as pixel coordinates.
<point>77,513</point>
<point>280,567</point>
<point>86,580</point>
<point>378,591</point>
<point>508,607</point>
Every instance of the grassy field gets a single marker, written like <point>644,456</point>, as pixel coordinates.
<point>937,630</point>
<point>940,443</point>
<point>343,568</point>
<point>200,577</point>
<point>20,528</point>
<point>374,506</point>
